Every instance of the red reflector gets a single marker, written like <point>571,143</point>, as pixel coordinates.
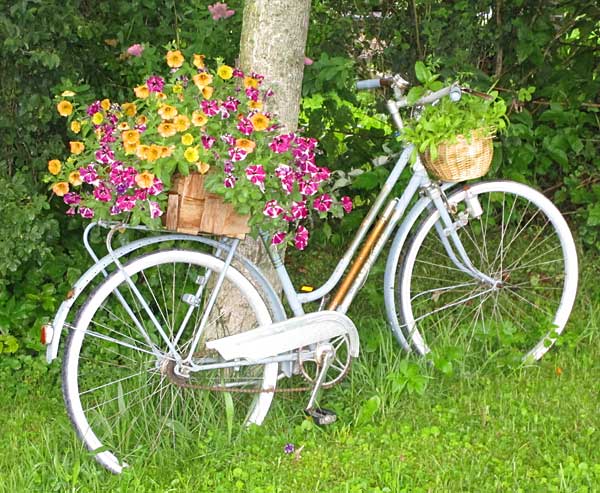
<point>46,334</point>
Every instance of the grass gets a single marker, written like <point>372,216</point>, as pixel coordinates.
<point>402,426</point>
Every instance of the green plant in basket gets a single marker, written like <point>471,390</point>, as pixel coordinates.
<point>123,156</point>
<point>446,121</point>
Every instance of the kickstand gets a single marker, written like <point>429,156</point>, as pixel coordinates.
<point>321,416</point>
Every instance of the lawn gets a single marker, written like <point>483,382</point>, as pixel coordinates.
<point>402,426</point>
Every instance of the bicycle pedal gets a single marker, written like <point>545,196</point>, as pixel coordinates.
<point>321,416</point>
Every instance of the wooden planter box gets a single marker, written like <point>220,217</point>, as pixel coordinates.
<point>191,209</point>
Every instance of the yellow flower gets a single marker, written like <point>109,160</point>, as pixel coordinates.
<point>97,118</point>
<point>75,178</point>
<point>123,126</point>
<point>60,188</point>
<point>202,167</point>
<point>160,95</point>
<point>167,112</point>
<point>142,151</point>
<point>250,82</point>
<point>141,91</point>
<point>65,108</point>
<point>199,118</point>
<point>54,166</point>
<point>175,59</point>
<point>105,104</point>
<point>154,152</point>
<point>166,129</point>
<point>75,126</point>
<point>130,109</point>
<point>144,180</point>
<point>246,144</point>
<point>198,61</point>
<point>186,140</point>
<point>130,148</point>
<point>142,120</point>
<point>177,89</point>
<point>166,151</point>
<point>259,121</point>
<point>182,123</point>
<point>191,154</point>
<point>255,105</point>
<point>225,72</point>
<point>207,92</point>
<point>76,147</point>
<point>131,136</point>
<point>202,79</point>
<point>67,94</point>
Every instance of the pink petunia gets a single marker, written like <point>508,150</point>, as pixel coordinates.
<point>125,202</point>
<point>155,210</point>
<point>346,204</point>
<point>102,193</point>
<point>245,126</point>
<point>156,188</point>
<point>308,61</point>
<point>278,238</point>
<point>236,154</point>
<point>229,181</point>
<point>323,203</point>
<point>299,210</point>
<point>208,141</point>
<point>155,83</point>
<point>88,174</point>
<point>135,50</point>
<point>272,209</point>
<point>256,174</point>
<point>86,212</point>
<point>301,238</point>
<point>219,10</point>
<point>72,198</point>
<point>209,107</point>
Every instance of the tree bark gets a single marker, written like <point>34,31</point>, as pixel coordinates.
<point>273,43</point>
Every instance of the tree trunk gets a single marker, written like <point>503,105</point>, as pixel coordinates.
<point>273,43</point>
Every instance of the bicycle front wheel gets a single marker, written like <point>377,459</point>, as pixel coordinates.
<point>124,387</point>
<point>520,240</point>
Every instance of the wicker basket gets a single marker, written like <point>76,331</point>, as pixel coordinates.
<point>191,209</point>
<point>465,159</point>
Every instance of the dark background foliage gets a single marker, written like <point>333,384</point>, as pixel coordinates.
<point>543,57</point>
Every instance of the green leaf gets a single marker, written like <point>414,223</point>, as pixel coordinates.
<point>421,72</point>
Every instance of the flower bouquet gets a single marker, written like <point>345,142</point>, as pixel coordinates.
<point>124,156</point>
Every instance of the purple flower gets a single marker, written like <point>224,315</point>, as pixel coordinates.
<point>86,212</point>
<point>155,210</point>
<point>125,202</point>
<point>71,211</point>
<point>155,83</point>
<point>210,107</point>
<point>346,204</point>
<point>231,103</point>
<point>289,447</point>
<point>135,50</point>
<point>238,73</point>
<point>229,181</point>
<point>88,175</point>
<point>301,238</point>
<point>256,174</point>
<point>308,188</point>
<point>228,139</point>
<point>276,240</point>
<point>219,10</point>
<point>323,203</point>
<point>102,193</point>
<point>72,198</point>
<point>224,113</point>
<point>299,210</point>
<point>245,126</point>
<point>140,194</point>
<point>237,154</point>
<point>281,143</point>
<point>208,141</point>
<point>156,188</point>
<point>252,93</point>
<point>114,210</point>
<point>228,167</point>
<point>272,209</point>
<point>93,108</point>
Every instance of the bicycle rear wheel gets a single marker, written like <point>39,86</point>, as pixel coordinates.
<point>125,393</point>
<point>521,241</point>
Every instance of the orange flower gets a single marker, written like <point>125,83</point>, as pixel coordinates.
<point>166,129</point>
<point>75,178</point>
<point>160,95</point>
<point>250,82</point>
<point>142,151</point>
<point>198,61</point>
<point>175,59</point>
<point>202,167</point>
<point>199,118</point>
<point>182,123</point>
<point>166,151</point>
<point>130,109</point>
<point>154,152</point>
<point>202,79</point>
<point>207,92</point>
<point>259,121</point>
<point>60,188</point>
<point>105,104</point>
<point>123,126</point>
<point>167,112</point>
<point>75,126</point>
<point>142,120</point>
<point>255,105</point>
<point>131,136</point>
<point>144,180</point>
<point>142,91</point>
<point>76,147</point>
<point>246,144</point>
<point>65,108</point>
<point>54,166</point>
<point>130,148</point>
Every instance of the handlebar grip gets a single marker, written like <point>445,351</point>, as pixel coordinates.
<point>368,84</point>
